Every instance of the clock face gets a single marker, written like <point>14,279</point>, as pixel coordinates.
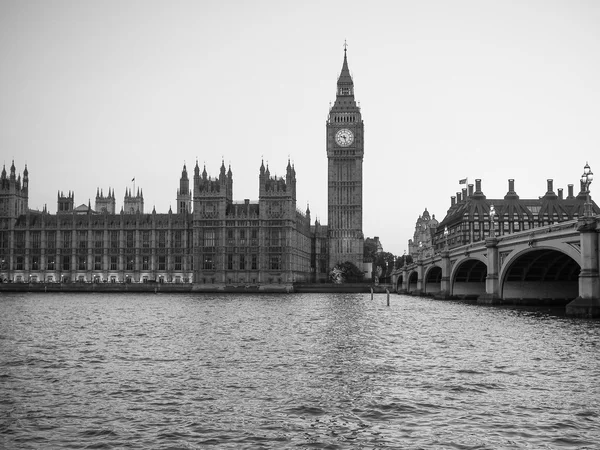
<point>344,137</point>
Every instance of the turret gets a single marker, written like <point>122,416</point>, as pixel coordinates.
<point>14,193</point>
<point>184,195</point>
<point>65,203</point>
<point>105,204</point>
<point>133,204</point>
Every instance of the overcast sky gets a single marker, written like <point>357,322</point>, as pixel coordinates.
<point>95,93</point>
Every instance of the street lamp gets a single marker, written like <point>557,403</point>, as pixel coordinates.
<point>445,238</point>
<point>420,249</point>
<point>586,180</point>
<point>492,214</point>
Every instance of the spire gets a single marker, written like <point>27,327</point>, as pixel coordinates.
<point>345,83</point>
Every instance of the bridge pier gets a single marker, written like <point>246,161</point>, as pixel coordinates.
<point>419,290</point>
<point>492,284</point>
<point>445,281</point>
<point>588,302</point>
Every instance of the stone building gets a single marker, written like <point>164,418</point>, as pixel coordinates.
<point>421,245</point>
<point>468,218</point>
<point>209,239</point>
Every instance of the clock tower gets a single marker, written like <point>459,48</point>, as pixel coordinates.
<point>345,150</point>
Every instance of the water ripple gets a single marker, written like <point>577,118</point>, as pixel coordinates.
<point>298,371</point>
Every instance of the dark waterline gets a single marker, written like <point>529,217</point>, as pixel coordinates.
<point>293,371</point>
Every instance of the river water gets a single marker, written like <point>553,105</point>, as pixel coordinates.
<point>293,371</point>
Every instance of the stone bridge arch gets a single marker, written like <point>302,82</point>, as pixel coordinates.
<point>545,274</point>
<point>432,279</point>
<point>467,277</point>
<point>399,286</point>
<point>412,281</point>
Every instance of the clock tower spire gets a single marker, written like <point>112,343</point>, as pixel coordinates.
<point>345,151</point>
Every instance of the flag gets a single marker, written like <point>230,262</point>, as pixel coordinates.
<point>463,181</point>
<point>133,179</point>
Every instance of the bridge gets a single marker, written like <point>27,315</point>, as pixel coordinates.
<point>555,265</point>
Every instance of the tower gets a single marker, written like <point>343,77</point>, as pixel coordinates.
<point>345,150</point>
<point>132,202</point>
<point>65,203</point>
<point>105,204</point>
<point>14,194</point>
<point>184,195</point>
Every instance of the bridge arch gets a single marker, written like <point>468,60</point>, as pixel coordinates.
<point>547,273</point>
<point>413,277</point>
<point>399,282</point>
<point>468,277</point>
<point>432,280</point>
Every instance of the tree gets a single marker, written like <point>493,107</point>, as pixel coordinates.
<point>346,272</point>
<point>384,261</point>
<point>400,261</point>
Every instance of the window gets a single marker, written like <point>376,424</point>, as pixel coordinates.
<point>254,260</point>
<point>51,261</point>
<point>82,240</point>
<point>145,263</point>
<point>66,263</point>
<point>98,239</point>
<point>177,239</point>
<point>209,238</point>
<point>19,263</point>
<point>275,238</point>
<point>243,237</point>
<point>145,239</point>
<point>35,239</point>
<point>230,262</point>
<point>208,262</point>
<point>177,262</point>
<point>275,262</point>
<point>114,240</point>
<point>242,262</point>
<point>162,239</point>
<point>162,263</point>
<point>81,263</point>
<point>97,262</point>
<point>113,263</point>
<point>230,237</point>
<point>20,239</point>
<point>51,240</point>
<point>129,239</point>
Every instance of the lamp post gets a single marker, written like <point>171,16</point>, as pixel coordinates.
<point>492,214</point>
<point>420,249</point>
<point>445,238</point>
<point>586,179</point>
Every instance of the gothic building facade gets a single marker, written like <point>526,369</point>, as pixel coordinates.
<point>209,238</point>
